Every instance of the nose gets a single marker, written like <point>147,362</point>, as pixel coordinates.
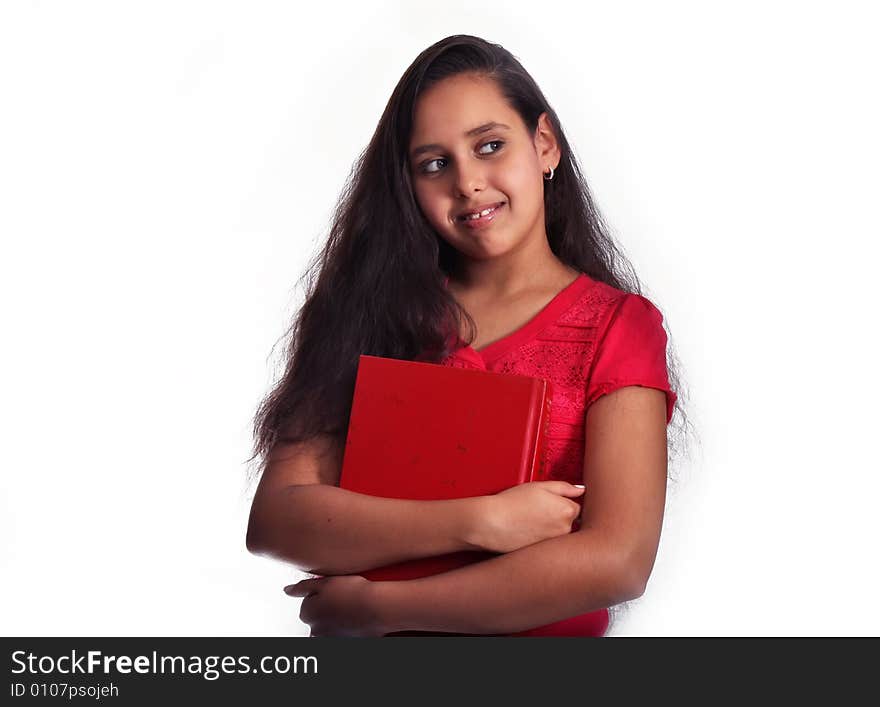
<point>470,176</point>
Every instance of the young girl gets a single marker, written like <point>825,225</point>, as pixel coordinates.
<point>468,237</point>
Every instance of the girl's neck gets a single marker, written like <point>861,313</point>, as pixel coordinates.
<point>510,276</point>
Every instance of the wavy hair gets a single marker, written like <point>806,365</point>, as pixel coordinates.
<point>376,287</point>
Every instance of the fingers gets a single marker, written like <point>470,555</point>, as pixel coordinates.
<point>303,588</point>
<point>563,488</point>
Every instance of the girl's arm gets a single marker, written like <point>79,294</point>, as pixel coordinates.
<point>607,561</point>
<point>300,515</point>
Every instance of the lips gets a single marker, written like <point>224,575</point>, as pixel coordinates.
<point>463,216</point>
<point>483,222</point>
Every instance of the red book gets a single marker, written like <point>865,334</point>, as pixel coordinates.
<point>427,432</point>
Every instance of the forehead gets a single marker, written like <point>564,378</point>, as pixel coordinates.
<point>457,104</point>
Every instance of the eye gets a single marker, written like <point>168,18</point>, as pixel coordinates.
<point>429,162</point>
<point>493,142</point>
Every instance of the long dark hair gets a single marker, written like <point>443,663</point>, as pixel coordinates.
<point>377,287</point>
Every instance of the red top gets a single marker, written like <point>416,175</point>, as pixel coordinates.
<point>591,339</point>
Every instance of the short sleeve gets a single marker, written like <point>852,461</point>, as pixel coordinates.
<point>632,352</point>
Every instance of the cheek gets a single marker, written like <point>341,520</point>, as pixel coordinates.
<point>433,206</point>
<point>523,179</point>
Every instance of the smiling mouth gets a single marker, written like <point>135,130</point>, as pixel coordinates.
<point>480,215</point>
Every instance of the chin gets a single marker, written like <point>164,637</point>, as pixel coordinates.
<point>487,253</point>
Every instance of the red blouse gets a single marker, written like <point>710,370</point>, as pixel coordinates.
<point>591,339</point>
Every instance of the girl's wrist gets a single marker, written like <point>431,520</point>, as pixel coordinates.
<point>478,535</point>
<point>383,600</point>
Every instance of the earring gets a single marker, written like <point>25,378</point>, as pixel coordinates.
<point>551,175</point>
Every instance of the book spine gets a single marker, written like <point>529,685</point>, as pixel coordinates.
<point>541,470</point>
<point>541,420</point>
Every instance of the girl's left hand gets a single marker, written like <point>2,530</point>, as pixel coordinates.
<point>338,606</point>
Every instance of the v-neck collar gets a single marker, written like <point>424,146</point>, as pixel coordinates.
<point>490,353</point>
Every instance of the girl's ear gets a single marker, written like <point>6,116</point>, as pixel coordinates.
<point>546,144</point>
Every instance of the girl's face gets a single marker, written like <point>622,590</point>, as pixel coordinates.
<point>469,151</point>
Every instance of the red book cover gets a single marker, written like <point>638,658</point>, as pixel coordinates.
<point>427,432</point>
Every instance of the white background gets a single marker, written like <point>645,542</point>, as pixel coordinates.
<point>167,168</point>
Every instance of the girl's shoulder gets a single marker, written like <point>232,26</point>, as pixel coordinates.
<point>593,305</point>
<point>601,304</point>
<point>630,349</point>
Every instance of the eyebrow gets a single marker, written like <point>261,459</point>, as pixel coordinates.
<point>486,127</point>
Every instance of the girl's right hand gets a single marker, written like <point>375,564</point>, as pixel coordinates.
<point>528,513</point>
